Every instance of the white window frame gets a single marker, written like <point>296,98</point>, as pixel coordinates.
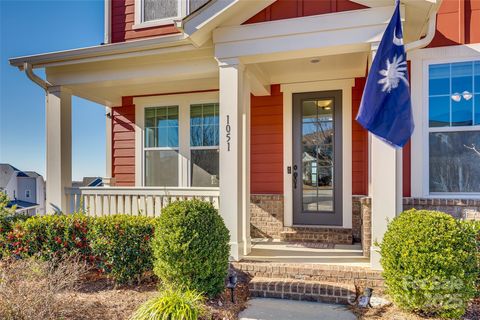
<point>183,101</point>
<point>27,193</point>
<point>421,59</point>
<point>140,23</point>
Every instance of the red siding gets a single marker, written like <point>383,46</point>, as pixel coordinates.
<point>458,22</point>
<point>123,17</point>
<point>123,143</point>
<point>359,144</point>
<point>266,154</point>
<point>286,9</point>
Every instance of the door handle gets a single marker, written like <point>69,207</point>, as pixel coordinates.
<point>295,174</point>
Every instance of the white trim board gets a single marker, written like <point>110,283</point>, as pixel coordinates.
<point>288,89</point>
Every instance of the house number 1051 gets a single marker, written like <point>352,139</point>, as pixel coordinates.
<point>228,128</point>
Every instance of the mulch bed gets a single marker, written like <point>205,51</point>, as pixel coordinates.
<point>393,313</point>
<point>98,298</point>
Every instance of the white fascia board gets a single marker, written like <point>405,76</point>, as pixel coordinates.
<point>303,25</point>
<point>341,29</point>
<point>76,55</point>
<point>199,25</point>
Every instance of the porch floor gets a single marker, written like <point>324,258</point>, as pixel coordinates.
<point>305,252</point>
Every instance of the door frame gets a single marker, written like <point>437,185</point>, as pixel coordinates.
<point>345,85</point>
<point>334,218</point>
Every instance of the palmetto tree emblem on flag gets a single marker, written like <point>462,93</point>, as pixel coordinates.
<point>396,70</point>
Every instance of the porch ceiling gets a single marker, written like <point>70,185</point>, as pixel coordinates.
<point>106,81</point>
<point>322,68</point>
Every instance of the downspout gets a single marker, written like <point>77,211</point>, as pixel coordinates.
<point>27,67</point>
<point>432,26</point>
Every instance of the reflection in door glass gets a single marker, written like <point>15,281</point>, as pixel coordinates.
<point>317,155</point>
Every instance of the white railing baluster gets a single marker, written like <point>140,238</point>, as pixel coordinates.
<point>149,201</point>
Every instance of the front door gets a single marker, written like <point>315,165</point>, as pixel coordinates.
<point>317,158</point>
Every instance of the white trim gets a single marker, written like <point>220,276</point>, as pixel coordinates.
<point>108,142</point>
<point>107,32</point>
<point>140,23</point>
<point>288,89</point>
<point>333,33</point>
<point>183,101</point>
<point>421,59</point>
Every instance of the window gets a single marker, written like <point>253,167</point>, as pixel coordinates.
<point>160,9</point>
<point>454,127</point>
<point>161,146</point>
<point>27,193</point>
<point>204,138</point>
<point>158,12</point>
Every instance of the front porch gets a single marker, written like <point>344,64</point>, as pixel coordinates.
<point>259,121</point>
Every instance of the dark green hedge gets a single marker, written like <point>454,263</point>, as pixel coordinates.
<point>119,245</point>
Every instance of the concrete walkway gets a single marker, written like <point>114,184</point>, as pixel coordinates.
<point>278,309</point>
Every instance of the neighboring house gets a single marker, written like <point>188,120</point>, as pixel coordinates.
<point>26,189</point>
<point>251,105</point>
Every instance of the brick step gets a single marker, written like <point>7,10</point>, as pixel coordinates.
<point>317,291</point>
<point>361,277</point>
<point>317,234</point>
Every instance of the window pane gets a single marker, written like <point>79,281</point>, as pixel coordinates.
<point>195,4</point>
<point>204,125</point>
<point>159,9</point>
<point>462,77</point>
<point>439,76</point>
<point>161,168</point>
<point>205,168</point>
<point>150,137</point>
<point>196,136</point>
<point>172,137</point>
<point>439,111</point>
<point>150,117</point>
<point>454,158</point>
<point>195,115</point>
<point>462,112</point>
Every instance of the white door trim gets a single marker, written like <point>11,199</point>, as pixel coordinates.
<point>288,89</point>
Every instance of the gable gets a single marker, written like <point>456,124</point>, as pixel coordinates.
<point>287,9</point>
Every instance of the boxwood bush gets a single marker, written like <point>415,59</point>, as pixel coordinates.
<point>191,247</point>
<point>430,263</point>
<point>122,245</point>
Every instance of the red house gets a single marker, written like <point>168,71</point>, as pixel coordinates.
<point>251,105</point>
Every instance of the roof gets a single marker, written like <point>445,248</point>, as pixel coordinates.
<point>21,204</point>
<point>32,174</point>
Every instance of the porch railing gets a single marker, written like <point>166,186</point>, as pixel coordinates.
<point>99,201</point>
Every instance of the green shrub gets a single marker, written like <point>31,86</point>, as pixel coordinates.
<point>172,304</point>
<point>191,247</point>
<point>430,263</point>
<point>8,217</point>
<point>50,235</point>
<point>122,245</point>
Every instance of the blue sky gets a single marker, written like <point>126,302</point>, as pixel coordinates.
<point>31,27</point>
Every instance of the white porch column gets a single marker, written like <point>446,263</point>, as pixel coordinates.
<point>386,188</point>
<point>234,149</point>
<point>59,148</point>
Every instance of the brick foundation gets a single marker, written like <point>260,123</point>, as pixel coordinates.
<point>366,230</point>
<point>267,221</point>
<point>465,209</point>
<point>266,216</point>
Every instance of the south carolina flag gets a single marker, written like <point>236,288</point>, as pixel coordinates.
<point>386,110</point>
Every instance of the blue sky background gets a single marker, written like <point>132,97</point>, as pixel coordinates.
<point>37,26</point>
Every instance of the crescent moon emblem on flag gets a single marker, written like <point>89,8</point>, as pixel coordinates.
<point>397,41</point>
